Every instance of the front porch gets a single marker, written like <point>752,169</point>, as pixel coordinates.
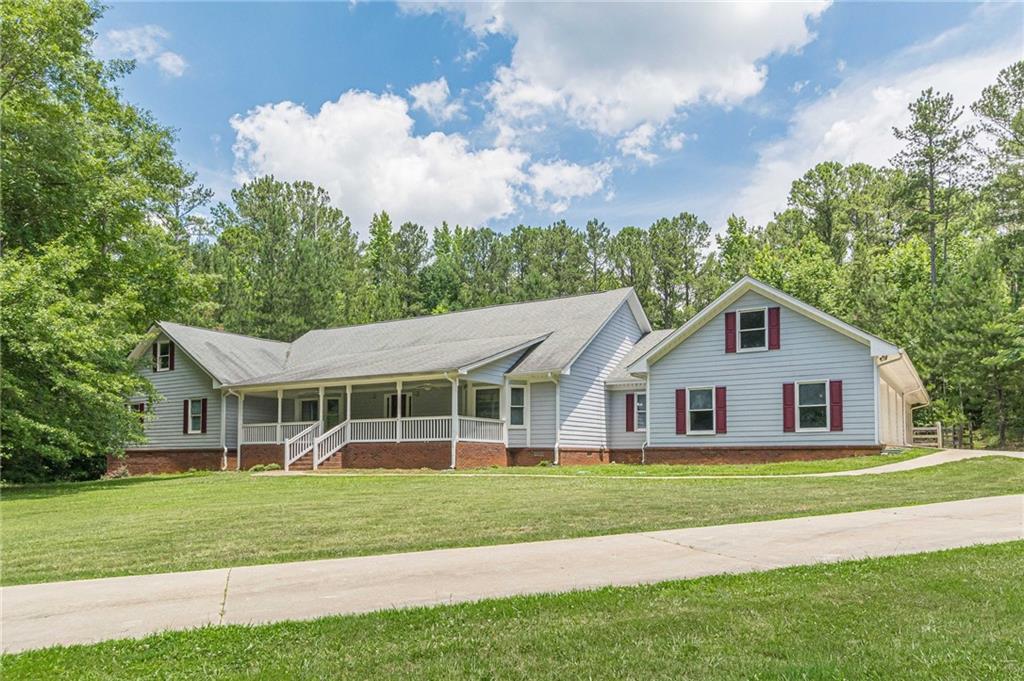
<point>315,426</point>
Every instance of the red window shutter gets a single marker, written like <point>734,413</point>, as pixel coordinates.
<point>681,411</point>
<point>155,358</point>
<point>185,418</point>
<point>774,337</point>
<point>788,407</point>
<point>170,362</point>
<point>730,332</point>
<point>720,421</point>
<point>835,405</point>
<point>630,412</point>
<point>202,427</point>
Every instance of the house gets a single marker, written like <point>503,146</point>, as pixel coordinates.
<point>757,375</point>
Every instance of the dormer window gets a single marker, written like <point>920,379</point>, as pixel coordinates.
<point>752,329</point>
<point>163,356</point>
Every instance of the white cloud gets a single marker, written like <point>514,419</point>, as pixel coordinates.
<point>854,121</point>
<point>637,143</point>
<point>675,142</point>
<point>144,44</point>
<point>556,184</point>
<point>611,67</point>
<point>432,98</point>
<point>361,148</point>
<point>840,65</point>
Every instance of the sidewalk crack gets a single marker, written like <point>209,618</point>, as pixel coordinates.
<point>224,598</point>
<point>707,551</point>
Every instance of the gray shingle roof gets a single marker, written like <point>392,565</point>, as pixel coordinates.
<point>619,374</point>
<point>561,327</point>
<point>229,357</point>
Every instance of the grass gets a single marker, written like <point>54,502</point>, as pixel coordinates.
<point>946,615</point>
<point>188,522</point>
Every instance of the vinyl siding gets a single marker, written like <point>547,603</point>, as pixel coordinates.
<point>257,410</point>
<point>542,414</point>
<point>186,381</point>
<point>754,381</point>
<point>583,395</point>
<point>494,373</point>
<point>618,438</point>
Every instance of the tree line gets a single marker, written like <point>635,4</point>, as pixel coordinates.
<point>104,230</point>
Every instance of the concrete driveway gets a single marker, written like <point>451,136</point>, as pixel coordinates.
<point>86,611</point>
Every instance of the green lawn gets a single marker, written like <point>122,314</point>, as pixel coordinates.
<point>947,615</point>
<point>846,463</point>
<point>187,522</point>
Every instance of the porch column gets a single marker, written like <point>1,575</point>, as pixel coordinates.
<point>320,408</point>
<point>241,431</point>
<point>224,429</point>
<point>398,411</point>
<point>348,402</point>
<point>455,416</point>
<point>558,419</point>
<point>505,408</point>
<point>280,397</point>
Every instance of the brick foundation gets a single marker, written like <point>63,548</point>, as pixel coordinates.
<point>734,455</point>
<point>480,455</point>
<point>530,456</point>
<point>261,454</point>
<point>436,455</point>
<point>146,461</point>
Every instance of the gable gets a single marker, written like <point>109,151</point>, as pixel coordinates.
<point>767,296</point>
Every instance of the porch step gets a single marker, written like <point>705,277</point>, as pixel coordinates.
<point>305,463</point>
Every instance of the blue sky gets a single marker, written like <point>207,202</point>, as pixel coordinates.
<point>501,114</point>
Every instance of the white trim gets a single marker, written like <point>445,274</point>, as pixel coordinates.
<point>525,425</point>
<point>189,430</point>
<point>167,344</point>
<point>689,423</point>
<point>744,285</point>
<point>877,379</point>
<point>650,422</point>
<point>828,405</point>
<point>558,419</point>
<point>636,412</point>
<point>739,335</point>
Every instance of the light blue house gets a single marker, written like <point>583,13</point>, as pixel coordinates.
<point>756,375</point>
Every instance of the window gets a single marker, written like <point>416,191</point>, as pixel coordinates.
<point>701,406</point>
<point>485,403</point>
<point>140,409</point>
<point>309,410</point>
<point>517,407</point>
<point>640,411</point>
<point>812,405</point>
<point>752,329</point>
<point>163,355</point>
<point>195,416</point>
<point>393,404</point>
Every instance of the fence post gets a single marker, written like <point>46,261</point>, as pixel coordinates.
<point>938,434</point>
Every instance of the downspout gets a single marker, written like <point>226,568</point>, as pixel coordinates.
<point>647,430</point>
<point>223,431</point>
<point>558,416</point>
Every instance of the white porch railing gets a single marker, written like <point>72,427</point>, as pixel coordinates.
<point>330,442</point>
<point>373,430</point>
<point>266,433</point>
<point>481,430</point>
<point>427,428</point>
<point>300,444</point>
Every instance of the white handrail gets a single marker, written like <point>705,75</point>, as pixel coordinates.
<point>475,429</point>
<point>300,444</point>
<point>326,445</point>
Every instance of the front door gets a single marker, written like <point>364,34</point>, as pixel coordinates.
<point>333,415</point>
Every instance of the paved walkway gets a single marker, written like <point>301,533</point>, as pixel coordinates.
<point>86,611</point>
<point>926,461</point>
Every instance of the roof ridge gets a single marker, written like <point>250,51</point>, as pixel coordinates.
<point>226,333</point>
<point>471,309</point>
